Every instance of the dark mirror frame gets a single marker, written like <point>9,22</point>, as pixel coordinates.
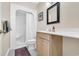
<point>58,13</point>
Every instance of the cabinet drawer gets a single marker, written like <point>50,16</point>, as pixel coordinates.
<point>43,35</point>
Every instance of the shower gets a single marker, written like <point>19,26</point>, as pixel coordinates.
<point>23,25</point>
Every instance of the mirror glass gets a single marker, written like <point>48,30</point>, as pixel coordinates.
<point>53,15</point>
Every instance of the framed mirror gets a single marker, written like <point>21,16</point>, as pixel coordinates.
<point>53,13</point>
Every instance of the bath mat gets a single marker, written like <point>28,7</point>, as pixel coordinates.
<point>22,52</point>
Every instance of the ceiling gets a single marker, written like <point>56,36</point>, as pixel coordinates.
<point>28,4</point>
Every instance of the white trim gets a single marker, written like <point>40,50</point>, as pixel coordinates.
<point>31,49</point>
<point>20,46</point>
<point>7,52</point>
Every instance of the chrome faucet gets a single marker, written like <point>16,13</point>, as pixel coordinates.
<point>53,29</point>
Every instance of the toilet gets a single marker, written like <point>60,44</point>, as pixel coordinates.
<point>31,44</point>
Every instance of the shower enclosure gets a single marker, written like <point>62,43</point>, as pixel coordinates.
<point>20,26</point>
<point>23,25</point>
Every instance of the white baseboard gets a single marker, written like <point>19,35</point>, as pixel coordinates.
<point>20,46</point>
<point>31,49</point>
<point>7,52</point>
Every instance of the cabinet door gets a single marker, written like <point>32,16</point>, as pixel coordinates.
<point>39,46</point>
<point>56,45</point>
<point>42,44</point>
<point>42,47</point>
<point>45,47</point>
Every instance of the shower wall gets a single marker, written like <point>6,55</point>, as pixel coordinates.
<point>20,26</point>
<point>30,27</point>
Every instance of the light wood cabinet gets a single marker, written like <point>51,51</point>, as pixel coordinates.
<point>55,45</point>
<point>39,46</point>
<point>42,44</point>
<point>45,47</point>
<point>48,45</point>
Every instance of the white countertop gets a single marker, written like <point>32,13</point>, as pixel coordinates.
<point>74,34</point>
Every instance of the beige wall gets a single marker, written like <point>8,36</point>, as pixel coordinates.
<point>6,15</point>
<point>69,18</point>
<point>70,46</point>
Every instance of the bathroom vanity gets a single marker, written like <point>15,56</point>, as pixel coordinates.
<point>51,43</point>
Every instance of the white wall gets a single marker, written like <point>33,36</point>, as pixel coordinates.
<point>69,18</point>
<point>20,26</point>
